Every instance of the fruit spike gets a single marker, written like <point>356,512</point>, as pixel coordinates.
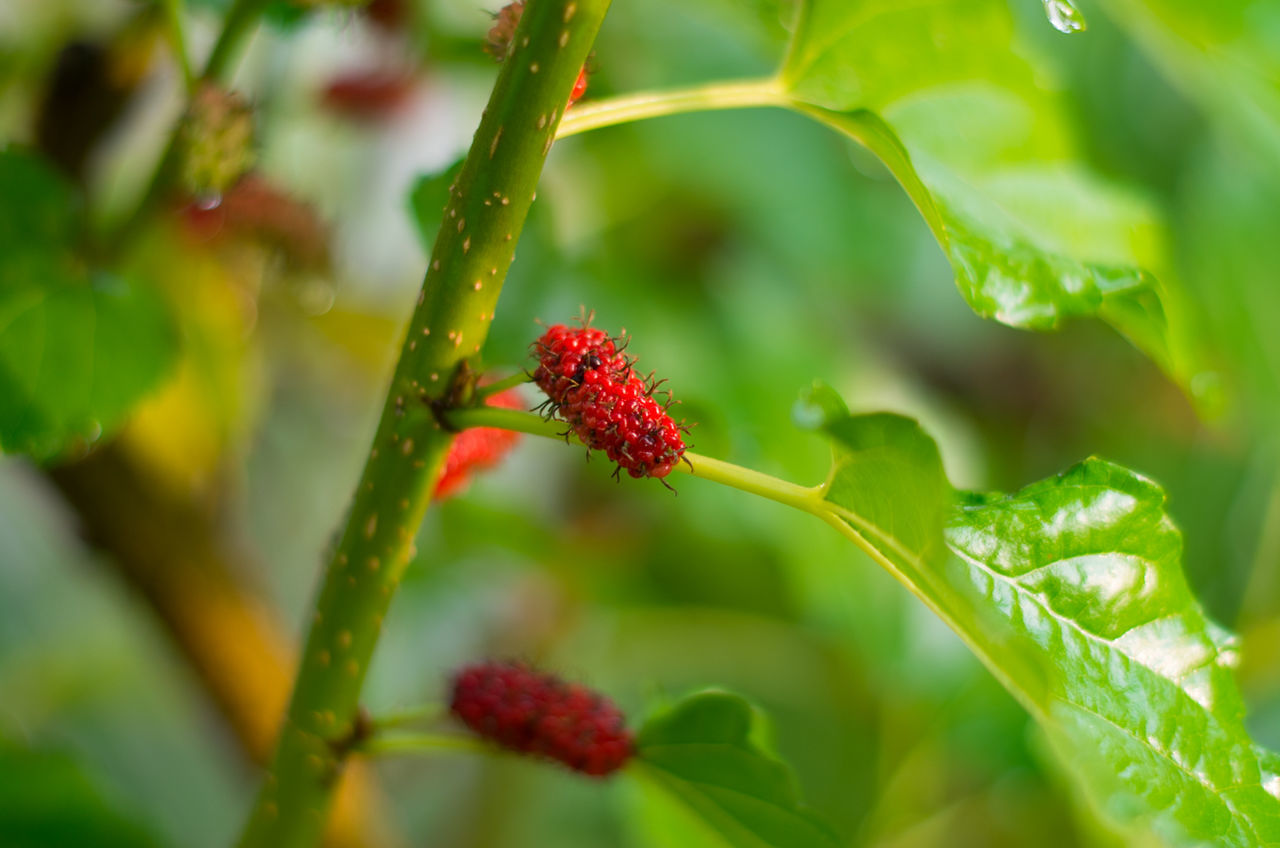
<point>533,712</point>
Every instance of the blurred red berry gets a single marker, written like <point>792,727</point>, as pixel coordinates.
<point>579,87</point>
<point>256,207</point>
<point>537,713</point>
<point>368,95</point>
<point>477,449</point>
<point>391,15</point>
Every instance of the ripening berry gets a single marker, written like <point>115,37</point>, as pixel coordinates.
<point>477,449</point>
<point>537,713</point>
<point>592,386</point>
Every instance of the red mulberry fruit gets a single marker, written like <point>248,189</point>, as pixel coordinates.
<point>591,384</point>
<point>567,354</point>
<point>537,713</point>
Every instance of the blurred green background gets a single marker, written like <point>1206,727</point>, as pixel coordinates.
<point>748,253</point>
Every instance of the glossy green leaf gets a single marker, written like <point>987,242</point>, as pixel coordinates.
<point>1071,592</point>
<point>702,752</point>
<point>75,355</point>
<point>942,94</point>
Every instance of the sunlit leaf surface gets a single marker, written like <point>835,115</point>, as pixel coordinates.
<point>1071,591</point>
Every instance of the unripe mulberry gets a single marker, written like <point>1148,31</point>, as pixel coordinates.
<point>537,713</point>
<point>592,385</point>
<point>216,141</point>
<point>477,449</point>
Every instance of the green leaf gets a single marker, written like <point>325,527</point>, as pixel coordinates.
<point>48,802</point>
<point>1143,702</point>
<point>427,201</point>
<point>703,752</point>
<point>1222,54</point>
<point>76,350</point>
<point>75,355</point>
<point>40,208</point>
<point>1071,592</point>
<point>939,91</point>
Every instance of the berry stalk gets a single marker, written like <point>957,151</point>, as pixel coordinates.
<point>484,216</point>
<point>806,498</point>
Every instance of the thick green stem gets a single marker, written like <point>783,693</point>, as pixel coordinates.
<point>483,219</point>
<point>742,94</point>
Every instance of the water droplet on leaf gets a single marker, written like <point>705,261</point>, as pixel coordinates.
<point>207,202</point>
<point>1064,16</point>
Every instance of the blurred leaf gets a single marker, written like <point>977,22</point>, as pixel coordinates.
<point>703,751</point>
<point>40,208</point>
<point>428,199</point>
<point>46,801</point>
<point>1071,591</point>
<point>939,92</point>
<point>74,357</point>
<point>75,353</point>
<point>1223,54</point>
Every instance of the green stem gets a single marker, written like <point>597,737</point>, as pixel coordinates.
<point>807,498</point>
<point>178,43</point>
<point>236,27</point>
<point>742,94</point>
<point>499,386</point>
<point>487,208</point>
<point>425,713</point>
<point>419,743</point>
